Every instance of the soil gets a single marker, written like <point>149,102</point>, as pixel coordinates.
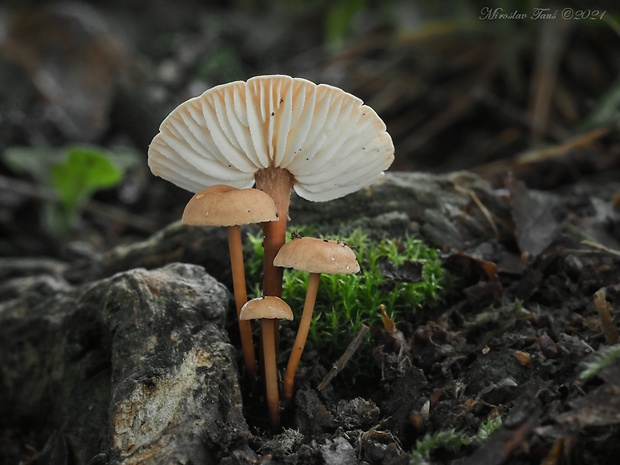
<point>511,338</point>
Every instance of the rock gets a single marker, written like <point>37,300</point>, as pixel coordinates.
<point>406,391</point>
<point>134,368</point>
<point>439,209</point>
<point>338,452</point>
<point>313,417</point>
<point>358,413</point>
<point>495,377</point>
<point>381,447</point>
<point>176,243</point>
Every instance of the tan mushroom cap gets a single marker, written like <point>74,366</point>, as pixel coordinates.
<point>228,206</point>
<point>270,307</point>
<point>317,256</point>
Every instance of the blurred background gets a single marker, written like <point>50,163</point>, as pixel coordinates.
<point>526,87</point>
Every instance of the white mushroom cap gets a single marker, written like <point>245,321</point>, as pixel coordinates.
<point>317,256</point>
<point>269,306</point>
<point>221,205</point>
<point>325,137</point>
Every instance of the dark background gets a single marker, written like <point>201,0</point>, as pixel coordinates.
<point>538,98</point>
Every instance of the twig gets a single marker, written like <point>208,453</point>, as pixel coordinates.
<point>601,248</point>
<point>604,312</point>
<point>344,359</point>
<point>92,206</point>
<point>485,211</point>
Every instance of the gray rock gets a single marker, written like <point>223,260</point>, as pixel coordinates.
<point>134,368</point>
<point>439,209</point>
<point>313,417</point>
<point>338,452</point>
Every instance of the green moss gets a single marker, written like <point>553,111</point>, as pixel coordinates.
<point>601,359</point>
<point>390,269</point>
<point>451,440</point>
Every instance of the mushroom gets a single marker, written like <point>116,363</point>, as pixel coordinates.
<point>316,256</point>
<point>227,206</point>
<point>279,133</point>
<point>268,309</point>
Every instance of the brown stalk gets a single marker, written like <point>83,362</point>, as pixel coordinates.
<point>302,336</point>
<point>278,183</point>
<point>241,297</point>
<point>271,372</point>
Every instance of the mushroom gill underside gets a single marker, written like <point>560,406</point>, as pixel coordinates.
<point>326,138</point>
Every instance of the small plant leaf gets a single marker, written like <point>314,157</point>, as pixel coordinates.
<point>82,173</point>
<point>85,171</point>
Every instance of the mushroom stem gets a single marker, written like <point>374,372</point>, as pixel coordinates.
<point>271,373</point>
<point>278,183</point>
<point>302,336</point>
<point>241,297</point>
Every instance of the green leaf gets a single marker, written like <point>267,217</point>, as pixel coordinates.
<point>84,171</point>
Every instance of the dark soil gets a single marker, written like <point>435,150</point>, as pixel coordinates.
<point>511,338</point>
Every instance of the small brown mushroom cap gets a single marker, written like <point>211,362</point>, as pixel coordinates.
<point>228,206</point>
<point>317,256</point>
<point>269,306</point>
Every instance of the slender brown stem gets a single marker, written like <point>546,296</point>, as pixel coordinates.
<point>241,297</point>
<point>277,183</point>
<point>271,372</point>
<point>302,335</point>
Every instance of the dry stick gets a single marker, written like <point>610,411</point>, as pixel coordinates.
<point>344,359</point>
<point>302,336</point>
<point>241,297</point>
<point>601,248</point>
<point>485,211</point>
<point>604,312</point>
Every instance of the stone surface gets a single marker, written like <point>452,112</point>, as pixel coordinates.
<point>439,209</point>
<point>134,368</point>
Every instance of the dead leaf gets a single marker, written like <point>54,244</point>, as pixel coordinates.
<point>532,212</point>
<point>409,271</point>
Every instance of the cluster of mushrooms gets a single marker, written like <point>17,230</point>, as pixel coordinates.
<point>242,147</point>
